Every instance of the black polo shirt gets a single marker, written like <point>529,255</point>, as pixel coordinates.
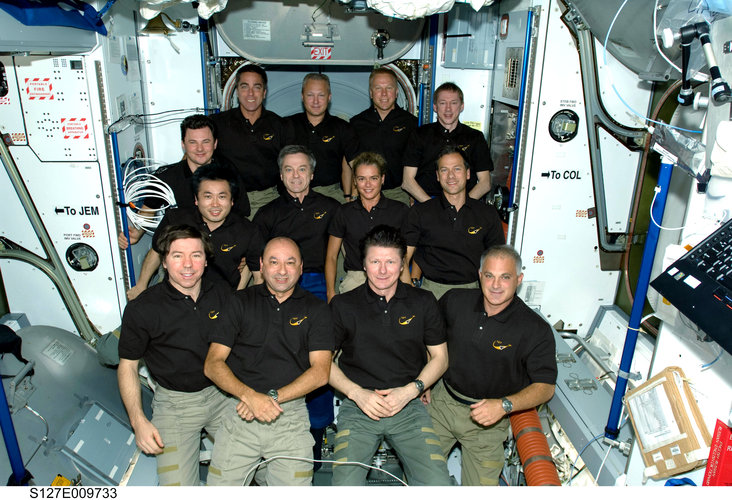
<point>330,140</point>
<point>426,142</point>
<point>383,343</point>
<point>234,239</point>
<point>388,137</point>
<point>178,177</point>
<point>495,356</point>
<point>271,346</point>
<point>170,331</point>
<point>252,148</point>
<point>351,222</point>
<point>449,243</point>
<point>306,223</point>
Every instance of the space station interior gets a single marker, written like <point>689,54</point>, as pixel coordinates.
<point>609,126</point>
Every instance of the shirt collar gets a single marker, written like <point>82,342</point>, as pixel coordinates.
<point>378,116</point>
<point>262,290</point>
<point>176,294</point>
<point>449,132</point>
<point>503,316</point>
<point>371,296</point>
<point>381,204</point>
<point>291,199</point>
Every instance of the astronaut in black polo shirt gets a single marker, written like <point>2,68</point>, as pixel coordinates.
<point>426,142</point>
<point>502,360</point>
<point>446,235</point>
<point>198,139</point>
<point>168,326</point>
<point>385,128</point>
<point>331,139</point>
<point>234,238</point>
<point>353,220</point>
<point>250,136</point>
<point>384,331</point>
<point>301,214</point>
<point>280,351</point>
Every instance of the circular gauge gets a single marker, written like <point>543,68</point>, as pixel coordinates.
<point>82,257</point>
<point>564,125</point>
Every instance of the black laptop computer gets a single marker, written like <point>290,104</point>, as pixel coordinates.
<point>699,285</point>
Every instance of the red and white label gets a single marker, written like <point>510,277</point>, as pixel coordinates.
<point>320,53</point>
<point>74,128</point>
<point>39,88</point>
<point>5,100</point>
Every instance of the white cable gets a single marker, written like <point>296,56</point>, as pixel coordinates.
<point>303,459</point>
<point>602,464</point>
<point>655,194</point>
<point>140,184</point>
<point>698,75</point>
<point>574,464</point>
<point>612,83</point>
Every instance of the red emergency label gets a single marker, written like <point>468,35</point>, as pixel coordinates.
<point>320,53</point>
<point>4,100</point>
<point>39,88</point>
<point>74,128</point>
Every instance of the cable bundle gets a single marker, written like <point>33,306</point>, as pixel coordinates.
<point>140,185</point>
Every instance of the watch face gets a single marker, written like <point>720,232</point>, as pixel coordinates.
<point>507,405</point>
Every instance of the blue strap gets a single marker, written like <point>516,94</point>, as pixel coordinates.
<point>682,481</point>
<point>76,14</point>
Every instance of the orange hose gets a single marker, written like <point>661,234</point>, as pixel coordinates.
<point>533,449</point>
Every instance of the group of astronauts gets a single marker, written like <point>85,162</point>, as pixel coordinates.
<point>257,323</point>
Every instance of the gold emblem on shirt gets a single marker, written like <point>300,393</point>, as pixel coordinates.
<point>267,137</point>
<point>398,128</point>
<point>328,138</point>
<point>474,230</point>
<point>498,345</point>
<point>297,321</point>
<point>213,315</point>
<point>319,215</point>
<point>405,321</point>
<point>227,248</point>
<point>464,147</point>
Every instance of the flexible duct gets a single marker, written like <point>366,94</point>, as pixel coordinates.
<point>533,449</point>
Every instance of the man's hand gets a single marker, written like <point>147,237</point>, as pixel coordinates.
<point>487,411</point>
<point>136,290</point>
<point>122,240</point>
<point>135,235</point>
<point>426,396</point>
<point>244,412</point>
<point>262,407</point>
<point>398,397</point>
<point>148,438</point>
<point>373,404</point>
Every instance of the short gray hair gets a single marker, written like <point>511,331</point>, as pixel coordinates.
<point>315,77</point>
<point>502,251</point>
<point>294,149</point>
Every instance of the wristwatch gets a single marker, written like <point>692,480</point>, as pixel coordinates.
<point>507,405</point>
<point>272,393</point>
<point>415,282</point>
<point>420,385</point>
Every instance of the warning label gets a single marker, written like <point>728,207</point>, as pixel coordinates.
<point>4,100</point>
<point>58,352</point>
<point>256,29</point>
<point>321,53</point>
<point>74,128</point>
<point>39,88</point>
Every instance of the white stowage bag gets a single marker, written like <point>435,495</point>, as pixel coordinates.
<point>206,8</point>
<point>410,9</point>
<point>413,9</point>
